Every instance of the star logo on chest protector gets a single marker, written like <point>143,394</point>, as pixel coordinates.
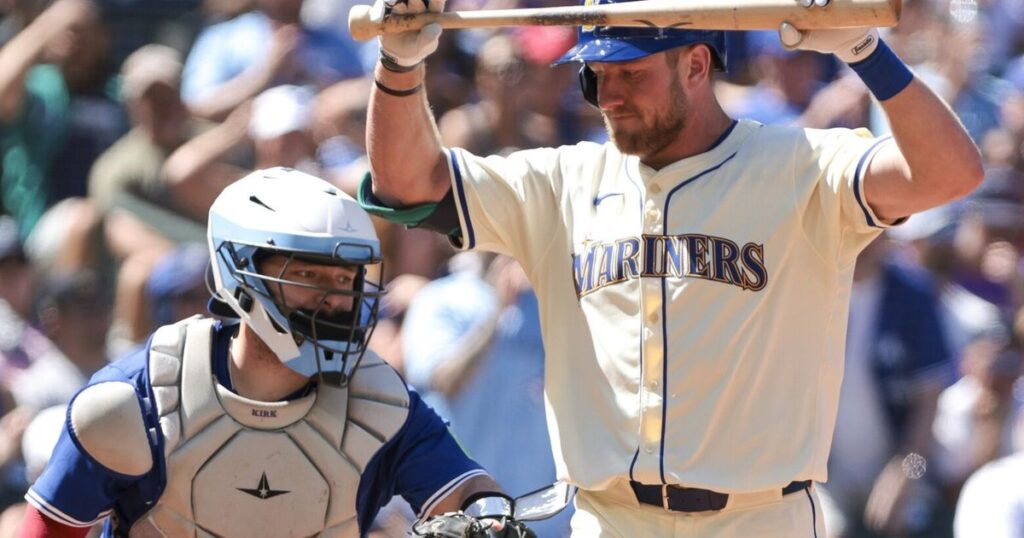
<point>263,490</point>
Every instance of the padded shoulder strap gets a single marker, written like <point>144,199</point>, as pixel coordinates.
<point>378,407</point>
<point>375,379</point>
<point>106,419</point>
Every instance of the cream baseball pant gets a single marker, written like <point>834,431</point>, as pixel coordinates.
<point>615,513</point>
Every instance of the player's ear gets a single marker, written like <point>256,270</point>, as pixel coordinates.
<point>696,63</point>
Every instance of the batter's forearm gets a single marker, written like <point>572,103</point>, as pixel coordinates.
<point>941,161</point>
<point>406,158</point>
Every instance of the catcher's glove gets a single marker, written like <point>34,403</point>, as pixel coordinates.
<point>459,525</point>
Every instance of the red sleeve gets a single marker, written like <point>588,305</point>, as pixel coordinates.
<point>36,525</point>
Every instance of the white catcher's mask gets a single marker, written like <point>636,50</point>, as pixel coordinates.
<point>280,211</point>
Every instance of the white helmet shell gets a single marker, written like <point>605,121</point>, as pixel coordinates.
<point>283,211</point>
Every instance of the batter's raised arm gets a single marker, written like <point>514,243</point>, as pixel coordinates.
<point>933,160</point>
<point>406,159</point>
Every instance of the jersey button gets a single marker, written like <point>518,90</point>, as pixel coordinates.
<point>653,385</point>
<point>649,449</point>
<point>654,189</point>
<point>653,317</point>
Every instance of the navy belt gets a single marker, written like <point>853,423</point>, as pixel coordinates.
<point>679,499</point>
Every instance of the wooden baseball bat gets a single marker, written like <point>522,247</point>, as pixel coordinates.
<point>683,14</point>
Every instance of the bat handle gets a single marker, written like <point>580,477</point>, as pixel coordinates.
<point>361,24</point>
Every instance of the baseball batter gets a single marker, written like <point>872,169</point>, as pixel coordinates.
<point>278,424</point>
<point>693,274</point>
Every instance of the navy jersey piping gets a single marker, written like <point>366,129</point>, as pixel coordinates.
<point>633,181</point>
<point>470,235</point>
<point>640,201</point>
<point>814,514</point>
<point>723,136</point>
<point>859,179</point>
<point>664,314</point>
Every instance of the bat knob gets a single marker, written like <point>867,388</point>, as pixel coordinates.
<point>361,25</point>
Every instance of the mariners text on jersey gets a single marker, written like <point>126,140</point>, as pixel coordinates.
<point>687,255</point>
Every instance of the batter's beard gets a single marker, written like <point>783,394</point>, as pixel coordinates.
<point>653,138</point>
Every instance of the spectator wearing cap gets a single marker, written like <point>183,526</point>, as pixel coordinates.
<point>277,125</point>
<point>143,216</point>
<point>281,128</point>
<point>233,61</point>
<point>125,182</point>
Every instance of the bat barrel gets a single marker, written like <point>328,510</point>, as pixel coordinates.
<point>697,14</point>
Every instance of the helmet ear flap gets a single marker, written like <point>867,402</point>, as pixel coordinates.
<point>588,84</point>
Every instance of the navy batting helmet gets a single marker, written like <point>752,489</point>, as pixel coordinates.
<point>621,44</point>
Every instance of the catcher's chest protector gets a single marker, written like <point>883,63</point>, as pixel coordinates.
<point>238,467</point>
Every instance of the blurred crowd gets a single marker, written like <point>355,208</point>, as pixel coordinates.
<point>120,121</point>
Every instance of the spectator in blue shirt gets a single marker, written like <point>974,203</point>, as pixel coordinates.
<point>235,60</point>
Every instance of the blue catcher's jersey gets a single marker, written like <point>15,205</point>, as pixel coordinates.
<point>421,462</point>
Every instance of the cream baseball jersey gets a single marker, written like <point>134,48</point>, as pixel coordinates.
<point>694,317</point>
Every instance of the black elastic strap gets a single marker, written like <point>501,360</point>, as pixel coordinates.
<point>398,93</point>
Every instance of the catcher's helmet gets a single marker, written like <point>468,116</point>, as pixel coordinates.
<point>280,211</point>
<point>621,44</point>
